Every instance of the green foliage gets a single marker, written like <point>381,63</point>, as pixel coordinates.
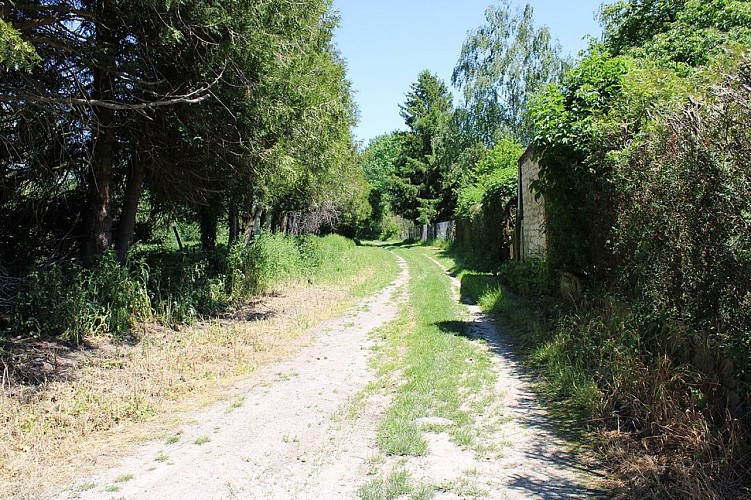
<point>572,123</point>
<point>427,102</point>
<point>484,205</point>
<point>494,178</point>
<point>502,64</point>
<point>15,53</point>
<point>417,189</point>
<point>378,163</point>
<point>682,228</point>
<point>276,256</point>
<point>469,202</point>
<point>184,286</point>
<point>72,302</point>
<point>686,33</point>
<point>527,278</point>
<point>226,108</point>
<point>643,161</point>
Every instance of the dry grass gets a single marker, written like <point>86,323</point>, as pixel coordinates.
<point>110,396</point>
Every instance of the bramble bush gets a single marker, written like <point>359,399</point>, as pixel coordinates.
<point>645,175</point>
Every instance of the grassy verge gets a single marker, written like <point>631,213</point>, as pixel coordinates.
<point>610,371</point>
<point>112,393</point>
<point>567,385</point>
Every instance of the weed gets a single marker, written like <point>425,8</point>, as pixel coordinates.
<point>238,402</point>
<point>72,302</point>
<point>231,489</point>
<point>172,439</point>
<point>202,440</point>
<point>124,478</point>
<point>161,457</point>
<point>90,485</point>
<point>463,489</point>
<point>392,487</point>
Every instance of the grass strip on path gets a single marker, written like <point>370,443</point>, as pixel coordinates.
<point>446,378</point>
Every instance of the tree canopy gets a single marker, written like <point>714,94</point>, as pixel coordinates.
<point>501,65</point>
<point>199,110</point>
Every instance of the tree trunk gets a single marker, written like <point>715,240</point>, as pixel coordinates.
<point>234,223</point>
<point>208,228</point>
<point>127,225</point>
<point>277,221</point>
<point>98,217</point>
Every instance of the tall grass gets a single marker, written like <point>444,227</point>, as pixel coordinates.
<point>72,302</point>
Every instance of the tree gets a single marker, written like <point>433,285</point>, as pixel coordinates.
<point>501,65</point>
<point>15,53</point>
<point>417,189</point>
<point>426,104</point>
<point>688,33</point>
<point>378,161</point>
<point>211,107</point>
<point>101,77</point>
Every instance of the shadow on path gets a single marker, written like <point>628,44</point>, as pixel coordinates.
<point>557,450</point>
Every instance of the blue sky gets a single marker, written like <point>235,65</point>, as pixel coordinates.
<point>388,42</point>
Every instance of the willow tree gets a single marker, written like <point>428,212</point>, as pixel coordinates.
<point>501,65</point>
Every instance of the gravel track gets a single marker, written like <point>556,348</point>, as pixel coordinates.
<point>291,435</point>
<point>303,430</point>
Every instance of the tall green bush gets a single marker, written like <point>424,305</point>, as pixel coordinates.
<point>644,169</point>
<point>72,302</point>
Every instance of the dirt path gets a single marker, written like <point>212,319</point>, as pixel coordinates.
<point>287,437</point>
<point>536,462</point>
<point>305,430</point>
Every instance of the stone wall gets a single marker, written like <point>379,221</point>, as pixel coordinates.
<point>531,227</point>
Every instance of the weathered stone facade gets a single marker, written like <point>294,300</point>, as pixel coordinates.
<point>531,239</point>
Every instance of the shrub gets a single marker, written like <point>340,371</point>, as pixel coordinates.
<point>71,302</point>
<point>276,258</point>
<point>183,286</point>
<point>242,273</point>
<point>530,277</point>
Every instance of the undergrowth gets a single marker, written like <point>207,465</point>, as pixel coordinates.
<point>622,375</point>
<point>71,302</point>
